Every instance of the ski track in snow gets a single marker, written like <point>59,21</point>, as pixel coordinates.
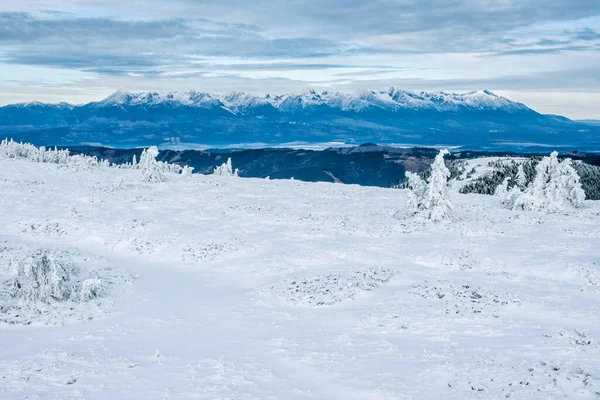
<point>272,289</point>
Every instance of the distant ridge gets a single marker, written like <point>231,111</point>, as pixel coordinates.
<point>391,100</point>
<point>474,120</point>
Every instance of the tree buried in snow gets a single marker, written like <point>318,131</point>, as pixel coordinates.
<point>226,169</point>
<point>556,187</point>
<point>431,200</point>
<point>151,171</point>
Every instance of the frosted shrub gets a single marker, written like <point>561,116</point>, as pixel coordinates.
<point>88,289</point>
<point>80,162</point>
<point>226,169</point>
<point>42,277</point>
<point>45,276</point>
<point>187,171</point>
<point>502,189</point>
<point>154,169</point>
<point>506,195</point>
<point>151,172</point>
<point>556,187</point>
<point>418,191</point>
<point>169,168</point>
<point>12,149</point>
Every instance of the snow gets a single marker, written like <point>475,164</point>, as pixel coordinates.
<point>393,99</point>
<point>238,288</point>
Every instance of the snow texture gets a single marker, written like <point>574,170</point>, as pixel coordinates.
<point>208,287</point>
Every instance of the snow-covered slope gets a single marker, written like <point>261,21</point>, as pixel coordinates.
<point>225,287</point>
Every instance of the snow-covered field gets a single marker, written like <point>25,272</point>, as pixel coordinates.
<point>217,287</point>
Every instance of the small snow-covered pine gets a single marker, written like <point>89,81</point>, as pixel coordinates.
<point>437,201</point>
<point>431,199</point>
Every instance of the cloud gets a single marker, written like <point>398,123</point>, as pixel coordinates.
<point>273,44</point>
<point>544,50</point>
<point>586,34</point>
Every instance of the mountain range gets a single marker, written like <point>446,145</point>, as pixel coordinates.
<point>474,120</point>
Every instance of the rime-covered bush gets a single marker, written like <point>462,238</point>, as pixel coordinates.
<point>502,189</point>
<point>431,200</point>
<point>42,276</point>
<point>88,289</point>
<point>80,162</point>
<point>151,172</point>
<point>165,167</point>
<point>502,169</point>
<point>187,171</point>
<point>226,169</point>
<point>45,276</point>
<point>154,169</point>
<point>12,149</point>
<point>417,193</point>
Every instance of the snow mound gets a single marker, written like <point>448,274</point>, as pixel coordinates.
<point>331,288</point>
<point>210,251</point>
<point>465,299</point>
<point>590,274</point>
<point>527,380</point>
<point>51,286</point>
<point>46,228</point>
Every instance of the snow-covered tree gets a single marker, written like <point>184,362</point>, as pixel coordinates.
<point>418,191</point>
<point>431,200</point>
<point>569,184</point>
<point>226,169</point>
<point>521,178</point>
<point>556,186</point>
<point>437,201</point>
<point>151,171</point>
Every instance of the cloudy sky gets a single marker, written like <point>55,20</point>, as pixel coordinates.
<point>545,53</point>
